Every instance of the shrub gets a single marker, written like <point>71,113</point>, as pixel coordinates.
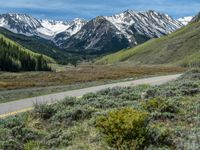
<point>44,111</point>
<point>31,145</point>
<point>123,128</point>
<point>152,92</point>
<point>14,133</point>
<point>160,135</point>
<point>189,88</point>
<point>130,96</point>
<point>104,103</point>
<point>24,134</point>
<point>13,121</point>
<point>4,134</point>
<point>68,101</point>
<point>89,96</point>
<point>71,116</point>
<point>162,116</point>
<point>57,138</point>
<point>191,74</point>
<point>11,144</point>
<point>159,105</point>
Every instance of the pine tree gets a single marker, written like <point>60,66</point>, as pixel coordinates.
<point>13,58</point>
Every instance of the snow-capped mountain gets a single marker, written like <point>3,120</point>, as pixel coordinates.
<point>51,27</point>
<point>98,35</point>
<point>185,20</point>
<point>103,33</point>
<point>129,28</point>
<point>20,23</point>
<point>196,18</point>
<point>73,28</point>
<point>30,26</point>
<point>149,23</point>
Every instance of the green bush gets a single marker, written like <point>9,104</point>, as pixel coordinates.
<point>57,138</point>
<point>11,144</point>
<point>44,111</point>
<point>4,134</point>
<point>160,135</point>
<point>159,105</point>
<point>32,145</point>
<point>193,74</point>
<point>13,121</point>
<point>89,96</point>
<point>124,128</point>
<point>68,101</point>
<point>73,115</point>
<point>24,134</point>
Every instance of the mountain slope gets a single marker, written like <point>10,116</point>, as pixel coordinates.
<point>42,46</point>
<point>73,28</point>
<point>130,28</point>
<point>97,35</point>
<point>148,23</point>
<point>181,47</point>
<point>20,23</point>
<point>14,57</point>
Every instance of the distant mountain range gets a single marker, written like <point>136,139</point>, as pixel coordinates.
<point>103,34</point>
<point>30,26</point>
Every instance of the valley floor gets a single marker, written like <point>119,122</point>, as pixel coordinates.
<point>21,85</point>
<point>133,118</point>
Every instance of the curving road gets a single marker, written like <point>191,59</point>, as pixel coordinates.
<point>27,104</point>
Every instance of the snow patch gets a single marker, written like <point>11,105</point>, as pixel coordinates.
<point>53,27</point>
<point>185,20</point>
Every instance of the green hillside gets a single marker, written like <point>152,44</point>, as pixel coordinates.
<point>46,47</point>
<point>42,46</point>
<point>14,57</point>
<point>181,47</point>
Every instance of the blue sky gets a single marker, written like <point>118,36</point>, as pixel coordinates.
<point>70,9</point>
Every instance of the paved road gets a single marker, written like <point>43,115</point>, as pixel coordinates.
<point>23,104</point>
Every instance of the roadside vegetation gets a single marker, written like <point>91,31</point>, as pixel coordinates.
<point>14,86</point>
<point>144,117</point>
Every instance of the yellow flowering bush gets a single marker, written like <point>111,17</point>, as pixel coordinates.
<point>125,128</point>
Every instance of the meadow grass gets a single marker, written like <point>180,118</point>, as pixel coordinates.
<point>80,74</point>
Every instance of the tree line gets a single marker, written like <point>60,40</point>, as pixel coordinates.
<point>13,58</point>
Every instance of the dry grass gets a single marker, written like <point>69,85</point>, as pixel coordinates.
<point>80,74</point>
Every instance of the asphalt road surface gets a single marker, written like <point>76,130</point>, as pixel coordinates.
<point>23,104</point>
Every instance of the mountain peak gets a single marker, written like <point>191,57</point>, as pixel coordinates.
<point>79,20</point>
<point>130,11</point>
<point>185,20</point>
<point>149,23</point>
<point>196,18</point>
<point>20,23</point>
<point>17,14</point>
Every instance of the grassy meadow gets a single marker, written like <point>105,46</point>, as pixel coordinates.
<point>164,117</point>
<point>80,74</point>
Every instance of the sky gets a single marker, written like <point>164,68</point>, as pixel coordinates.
<point>88,9</point>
